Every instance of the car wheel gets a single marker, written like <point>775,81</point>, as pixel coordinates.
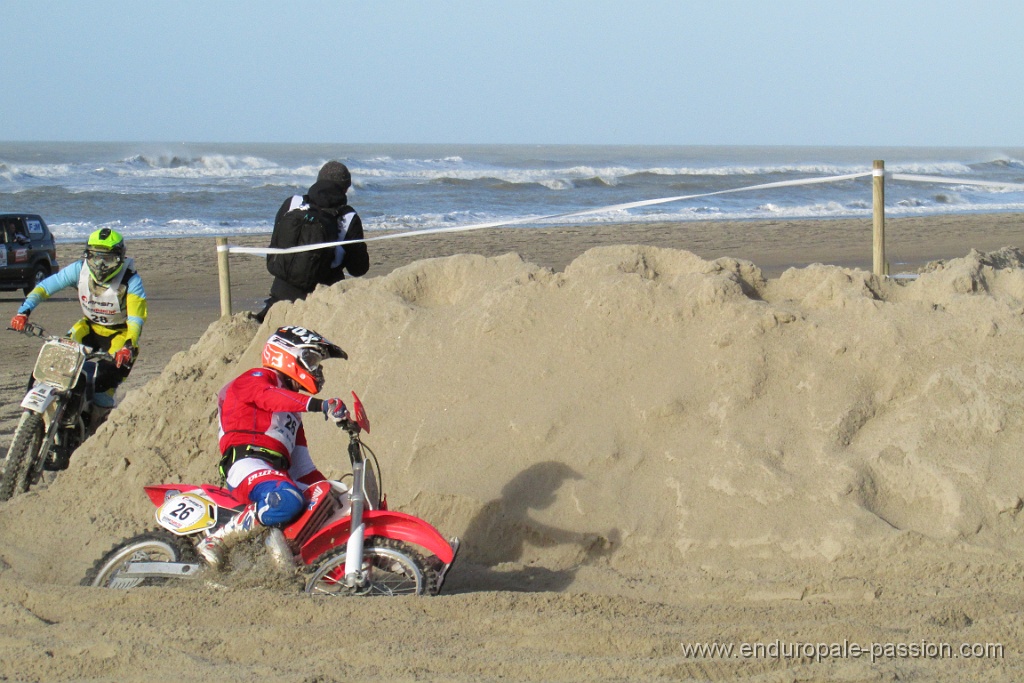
<point>40,272</point>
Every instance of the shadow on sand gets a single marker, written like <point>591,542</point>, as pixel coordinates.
<point>502,533</point>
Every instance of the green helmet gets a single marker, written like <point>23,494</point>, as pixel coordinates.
<point>104,254</point>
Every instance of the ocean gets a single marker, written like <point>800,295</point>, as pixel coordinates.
<point>207,189</point>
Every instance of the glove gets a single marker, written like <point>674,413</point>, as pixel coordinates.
<point>123,356</point>
<point>19,322</point>
<point>334,408</point>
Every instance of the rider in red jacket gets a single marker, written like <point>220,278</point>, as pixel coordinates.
<point>264,456</point>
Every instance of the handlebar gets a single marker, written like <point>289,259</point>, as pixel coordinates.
<point>355,421</point>
<point>349,426</point>
<point>31,330</point>
<point>34,330</point>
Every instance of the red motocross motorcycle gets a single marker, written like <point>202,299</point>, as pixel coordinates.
<point>346,542</point>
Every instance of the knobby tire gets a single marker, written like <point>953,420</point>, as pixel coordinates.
<point>23,456</point>
<point>397,568</point>
<point>154,545</point>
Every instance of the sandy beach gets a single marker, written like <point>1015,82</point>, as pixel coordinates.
<point>649,437</point>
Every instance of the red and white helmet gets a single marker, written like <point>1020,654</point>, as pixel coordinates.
<point>296,353</point>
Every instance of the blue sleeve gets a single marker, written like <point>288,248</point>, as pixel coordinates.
<point>136,307</point>
<point>135,286</point>
<point>62,279</point>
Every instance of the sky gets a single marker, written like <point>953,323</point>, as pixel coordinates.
<point>669,72</point>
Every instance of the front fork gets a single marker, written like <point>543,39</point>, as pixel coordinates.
<point>53,406</point>
<point>52,417</point>
<point>65,429</point>
<point>354,575</point>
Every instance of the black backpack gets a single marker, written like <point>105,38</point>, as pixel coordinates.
<point>297,228</point>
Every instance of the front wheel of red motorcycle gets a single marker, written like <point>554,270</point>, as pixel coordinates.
<point>391,567</point>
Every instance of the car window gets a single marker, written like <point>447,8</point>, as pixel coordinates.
<point>10,230</point>
<point>35,227</point>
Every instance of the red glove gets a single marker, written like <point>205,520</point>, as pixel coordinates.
<point>19,322</point>
<point>123,356</point>
<point>334,408</point>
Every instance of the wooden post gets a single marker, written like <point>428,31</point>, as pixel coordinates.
<point>224,271</point>
<point>879,266</point>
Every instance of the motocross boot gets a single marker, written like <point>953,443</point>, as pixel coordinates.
<point>214,548</point>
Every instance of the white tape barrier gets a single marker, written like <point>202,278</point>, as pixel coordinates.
<point>620,207</point>
<point>954,181</point>
<point>536,219</point>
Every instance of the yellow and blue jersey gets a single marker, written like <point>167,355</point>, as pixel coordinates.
<point>130,296</point>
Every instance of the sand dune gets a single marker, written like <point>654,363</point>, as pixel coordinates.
<point>643,450</point>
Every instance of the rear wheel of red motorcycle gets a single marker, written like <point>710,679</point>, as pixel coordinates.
<point>393,568</point>
<point>16,476</point>
<point>153,546</point>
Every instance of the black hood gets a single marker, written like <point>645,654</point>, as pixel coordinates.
<point>327,194</point>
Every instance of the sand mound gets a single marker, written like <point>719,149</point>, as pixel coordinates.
<point>643,451</point>
<point>645,408</point>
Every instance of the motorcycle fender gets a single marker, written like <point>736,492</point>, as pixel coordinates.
<point>39,398</point>
<point>385,523</point>
<point>159,493</point>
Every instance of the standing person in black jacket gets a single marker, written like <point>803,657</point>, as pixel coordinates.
<point>328,195</point>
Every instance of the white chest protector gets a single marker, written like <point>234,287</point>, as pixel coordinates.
<point>101,303</point>
<point>284,427</point>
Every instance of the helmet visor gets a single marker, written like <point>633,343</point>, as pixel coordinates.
<point>310,359</point>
